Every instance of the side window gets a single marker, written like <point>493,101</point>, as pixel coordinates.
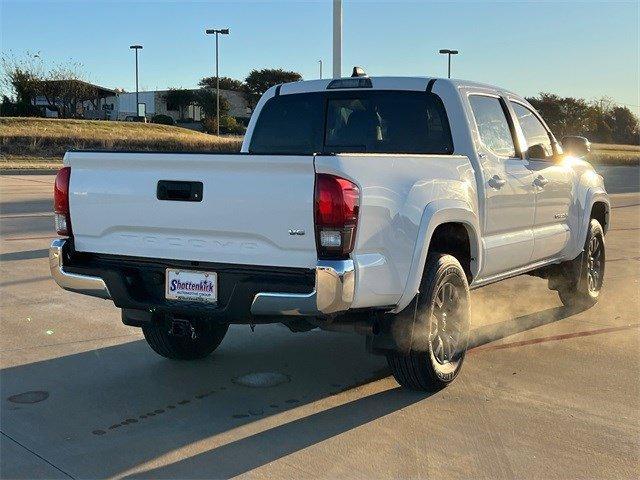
<point>289,124</point>
<point>493,127</point>
<point>538,141</point>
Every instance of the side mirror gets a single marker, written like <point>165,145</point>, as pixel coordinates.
<point>576,146</point>
<point>537,151</point>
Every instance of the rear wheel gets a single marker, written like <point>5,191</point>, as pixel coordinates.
<point>583,286</point>
<point>438,328</point>
<point>184,340</point>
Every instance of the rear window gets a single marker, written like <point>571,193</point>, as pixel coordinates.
<point>362,121</point>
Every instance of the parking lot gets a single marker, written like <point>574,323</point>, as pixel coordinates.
<point>545,392</point>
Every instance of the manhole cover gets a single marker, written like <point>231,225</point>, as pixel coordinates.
<point>29,397</point>
<point>262,379</point>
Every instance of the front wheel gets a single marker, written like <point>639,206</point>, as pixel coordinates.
<point>583,288</point>
<point>186,340</point>
<point>437,328</point>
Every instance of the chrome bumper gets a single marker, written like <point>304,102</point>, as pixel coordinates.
<point>333,293</point>
<point>93,286</point>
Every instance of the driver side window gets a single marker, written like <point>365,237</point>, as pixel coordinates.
<point>538,140</point>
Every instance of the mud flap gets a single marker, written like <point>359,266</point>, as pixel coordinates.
<point>396,331</point>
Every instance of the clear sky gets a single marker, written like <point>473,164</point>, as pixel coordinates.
<point>584,49</point>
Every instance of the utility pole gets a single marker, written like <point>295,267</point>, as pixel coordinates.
<point>223,31</point>
<point>320,62</point>
<point>337,38</point>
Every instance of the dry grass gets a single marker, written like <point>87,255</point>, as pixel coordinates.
<point>613,146</point>
<point>36,142</point>
<point>610,154</point>
<point>40,143</point>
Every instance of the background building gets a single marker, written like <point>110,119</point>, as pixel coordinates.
<point>156,104</point>
<point>77,99</point>
<point>74,98</point>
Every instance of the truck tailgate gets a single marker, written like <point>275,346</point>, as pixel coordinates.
<point>249,205</point>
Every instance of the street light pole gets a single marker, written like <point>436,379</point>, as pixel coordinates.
<point>214,31</point>
<point>337,38</point>
<point>217,91</point>
<point>136,48</point>
<point>448,52</point>
<point>320,62</point>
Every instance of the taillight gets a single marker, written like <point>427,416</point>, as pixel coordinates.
<point>337,202</point>
<point>61,201</point>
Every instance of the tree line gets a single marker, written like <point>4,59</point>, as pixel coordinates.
<point>63,86</point>
<point>600,121</point>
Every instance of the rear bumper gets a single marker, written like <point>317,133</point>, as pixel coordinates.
<point>246,291</point>
<point>85,284</point>
<point>333,293</point>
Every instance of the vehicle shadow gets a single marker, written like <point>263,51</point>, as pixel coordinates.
<point>267,446</point>
<point>497,331</point>
<point>24,255</point>
<point>125,400</point>
<point>39,205</point>
<point>251,452</point>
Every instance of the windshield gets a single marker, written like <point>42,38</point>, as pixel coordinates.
<point>358,121</point>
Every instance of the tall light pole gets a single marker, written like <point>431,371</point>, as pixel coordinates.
<point>337,38</point>
<point>446,51</point>
<point>136,48</point>
<point>320,62</point>
<point>216,31</point>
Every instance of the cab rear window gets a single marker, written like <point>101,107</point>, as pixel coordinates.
<point>357,121</point>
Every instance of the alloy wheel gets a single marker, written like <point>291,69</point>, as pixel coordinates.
<point>447,332</point>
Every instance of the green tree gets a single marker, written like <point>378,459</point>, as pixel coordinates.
<point>205,98</point>
<point>600,121</point>
<point>259,81</point>
<point>64,88</point>
<point>624,126</point>
<point>62,85</point>
<point>179,99</point>
<point>600,128</point>
<point>226,83</point>
<point>20,76</point>
<point>565,116</point>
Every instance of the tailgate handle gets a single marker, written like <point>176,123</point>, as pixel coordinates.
<point>179,191</point>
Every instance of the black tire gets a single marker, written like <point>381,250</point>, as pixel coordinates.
<point>422,364</point>
<point>585,281</point>
<point>208,337</point>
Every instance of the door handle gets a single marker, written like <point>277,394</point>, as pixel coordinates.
<point>540,181</point>
<point>179,191</point>
<point>496,182</point>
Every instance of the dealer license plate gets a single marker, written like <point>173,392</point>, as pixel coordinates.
<point>191,286</point>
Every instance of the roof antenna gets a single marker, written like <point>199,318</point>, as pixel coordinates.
<point>358,72</point>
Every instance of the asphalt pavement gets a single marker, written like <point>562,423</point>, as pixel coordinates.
<point>544,393</point>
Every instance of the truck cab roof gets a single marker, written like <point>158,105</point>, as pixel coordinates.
<point>386,83</point>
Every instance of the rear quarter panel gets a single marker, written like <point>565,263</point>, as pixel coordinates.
<point>395,192</point>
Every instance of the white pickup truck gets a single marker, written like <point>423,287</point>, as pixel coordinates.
<point>364,204</point>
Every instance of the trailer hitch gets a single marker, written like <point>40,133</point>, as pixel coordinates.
<point>182,328</point>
